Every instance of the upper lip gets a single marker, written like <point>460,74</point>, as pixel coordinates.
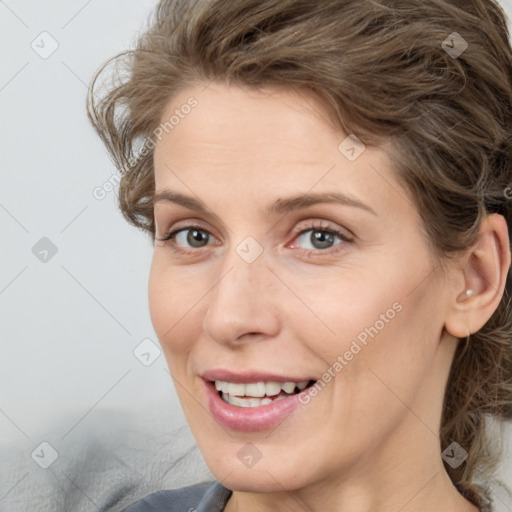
<point>249,376</point>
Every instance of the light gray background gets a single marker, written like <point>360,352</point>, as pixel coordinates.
<point>70,325</point>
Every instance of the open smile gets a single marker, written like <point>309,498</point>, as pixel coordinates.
<point>250,403</point>
<point>256,394</point>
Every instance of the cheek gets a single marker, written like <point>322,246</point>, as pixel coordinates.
<point>358,308</point>
<point>172,299</point>
<point>398,337</point>
<point>373,322</point>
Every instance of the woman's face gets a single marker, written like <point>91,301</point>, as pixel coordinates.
<point>298,257</point>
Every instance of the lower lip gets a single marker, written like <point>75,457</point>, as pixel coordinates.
<point>249,419</point>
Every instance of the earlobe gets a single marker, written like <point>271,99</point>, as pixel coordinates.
<point>485,266</point>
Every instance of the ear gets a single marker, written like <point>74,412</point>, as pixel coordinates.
<point>484,268</point>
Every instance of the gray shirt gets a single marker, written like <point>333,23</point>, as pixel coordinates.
<point>205,497</point>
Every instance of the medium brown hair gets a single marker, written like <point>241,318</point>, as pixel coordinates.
<point>388,70</point>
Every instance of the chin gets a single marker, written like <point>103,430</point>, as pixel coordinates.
<point>271,473</point>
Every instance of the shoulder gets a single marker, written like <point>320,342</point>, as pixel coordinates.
<point>207,496</point>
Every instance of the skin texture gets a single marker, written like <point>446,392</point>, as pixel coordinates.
<point>369,440</point>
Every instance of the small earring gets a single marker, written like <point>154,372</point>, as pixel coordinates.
<point>469,293</point>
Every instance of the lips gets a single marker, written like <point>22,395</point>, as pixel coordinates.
<point>252,401</point>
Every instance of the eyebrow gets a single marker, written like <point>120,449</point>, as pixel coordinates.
<point>280,206</point>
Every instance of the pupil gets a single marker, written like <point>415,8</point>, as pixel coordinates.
<point>196,238</point>
<point>321,239</point>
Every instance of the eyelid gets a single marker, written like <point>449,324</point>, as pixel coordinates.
<point>171,234</point>
<point>189,223</point>
<point>323,225</point>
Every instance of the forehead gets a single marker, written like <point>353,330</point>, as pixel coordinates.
<point>258,142</point>
<point>244,120</point>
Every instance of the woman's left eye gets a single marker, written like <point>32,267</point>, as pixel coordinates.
<point>319,239</point>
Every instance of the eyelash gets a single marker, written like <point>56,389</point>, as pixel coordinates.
<point>297,233</point>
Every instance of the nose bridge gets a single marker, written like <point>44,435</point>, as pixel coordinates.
<point>241,300</point>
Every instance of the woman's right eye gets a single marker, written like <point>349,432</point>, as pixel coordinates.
<point>192,237</point>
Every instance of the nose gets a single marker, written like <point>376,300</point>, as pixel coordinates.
<point>242,304</point>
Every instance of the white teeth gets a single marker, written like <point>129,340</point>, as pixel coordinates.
<point>257,389</point>
<point>221,386</point>
<point>289,387</point>
<point>232,392</point>
<point>245,402</point>
<point>234,400</point>
<point>272,388</point>
<point>236,389</point>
